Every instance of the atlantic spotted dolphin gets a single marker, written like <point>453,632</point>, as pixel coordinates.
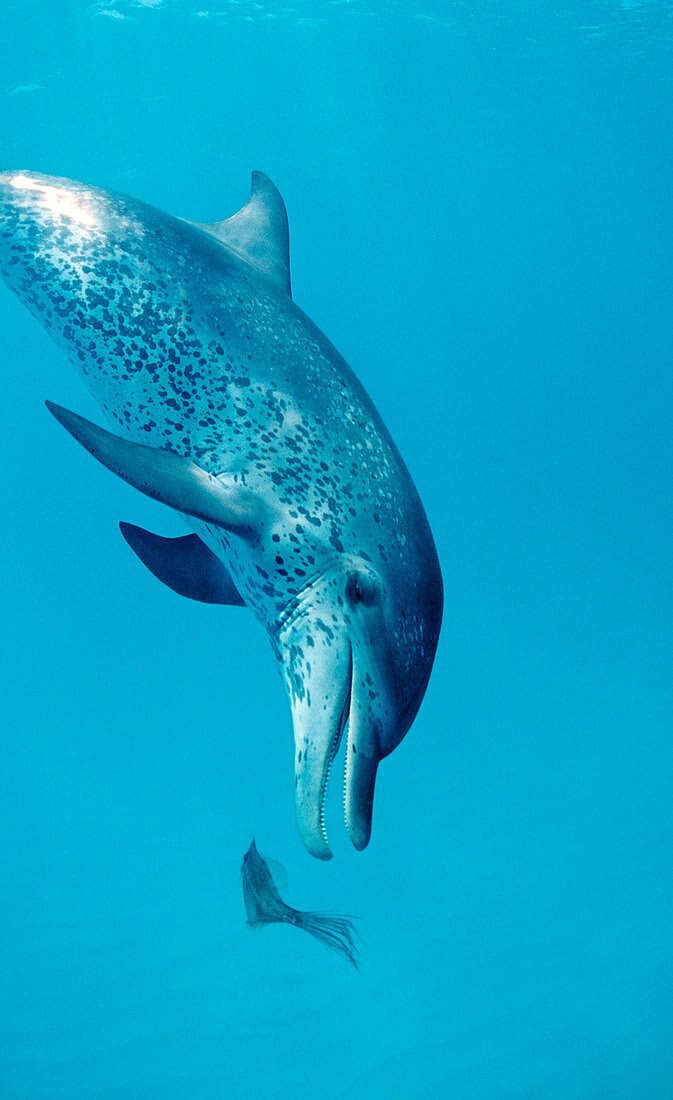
<point>229,405</point>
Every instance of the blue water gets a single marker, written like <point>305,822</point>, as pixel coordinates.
<point>480,210</point>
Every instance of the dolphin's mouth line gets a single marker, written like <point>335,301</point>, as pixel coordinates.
<point>294,608</point>
<point>333,749</point>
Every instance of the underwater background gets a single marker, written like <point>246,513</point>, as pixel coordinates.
<point>480,216</point>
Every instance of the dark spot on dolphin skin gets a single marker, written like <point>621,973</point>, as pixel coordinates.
<point>327,631</point>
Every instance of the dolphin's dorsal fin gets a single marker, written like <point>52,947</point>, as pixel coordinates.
<point>259,232</point>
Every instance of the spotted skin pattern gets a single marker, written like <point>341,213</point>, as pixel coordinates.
<point>187,346</point>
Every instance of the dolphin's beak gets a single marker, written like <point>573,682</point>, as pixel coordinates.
<point>337,677</point>
<point>372,722</point>
<point>317,668</point>
<point>367,716</point>
<point>359,795</point>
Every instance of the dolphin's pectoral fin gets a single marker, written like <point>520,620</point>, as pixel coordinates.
<point>259,232</point>
<point>184,564</point>
<point>167,477</point>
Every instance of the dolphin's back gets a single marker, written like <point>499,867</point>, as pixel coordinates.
<point>188,347</point>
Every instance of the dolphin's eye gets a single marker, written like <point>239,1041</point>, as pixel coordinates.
<point>353,590</point>
<point>362,590</point>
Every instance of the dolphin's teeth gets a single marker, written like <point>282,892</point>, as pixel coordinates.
<point>323,795</point>
<point>345,787</point>
<point>331,757</point>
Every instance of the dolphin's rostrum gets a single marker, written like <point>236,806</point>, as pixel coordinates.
<point>229,405</point>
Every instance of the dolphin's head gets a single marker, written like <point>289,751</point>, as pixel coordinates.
<point>356,651</point>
